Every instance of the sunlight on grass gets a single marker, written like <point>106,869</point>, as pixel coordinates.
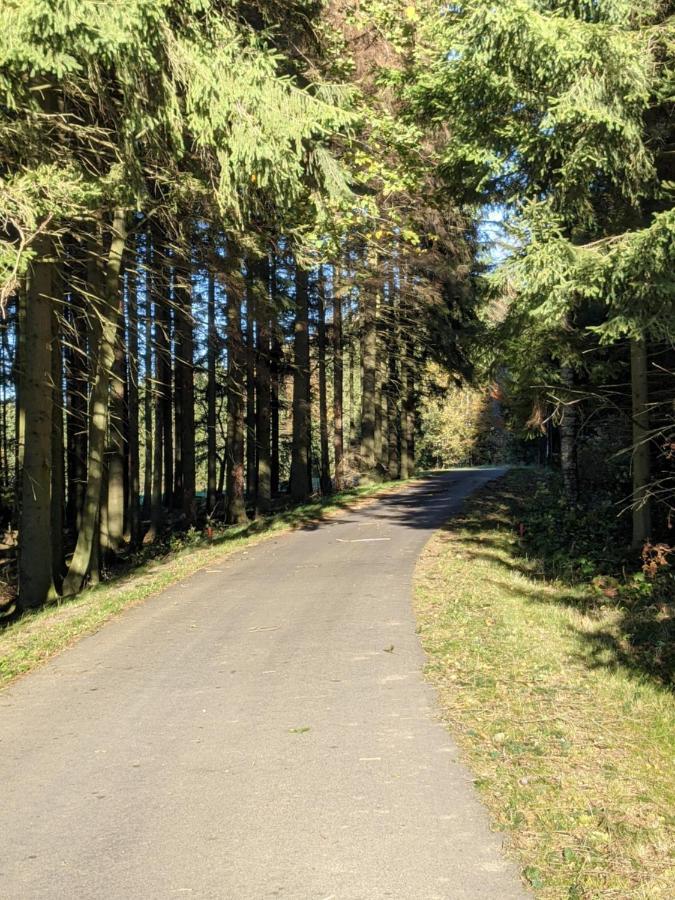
<point>572,752</point>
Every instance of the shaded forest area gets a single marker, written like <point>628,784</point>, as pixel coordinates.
<point>254,251</point>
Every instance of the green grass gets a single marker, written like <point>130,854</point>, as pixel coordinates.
<point>27,642</point>
<point>572,751</point>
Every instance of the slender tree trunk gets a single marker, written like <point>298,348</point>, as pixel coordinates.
<point>126,426</point>
<point>185,363</point>
<point>188,430</point>
<point>221,476</point>
<point>165,380</point>
<point>263,392</point>
<point>338,378</point>
<point>353,433</point>
<point>149,387</point>
<point>641,455</point>
<point>300,452</point>
<point>251,479</point>
<point>310,435</point>
<point>411,415</point>
<point>113,538</point>
<point>19,409</point>
<point>103,361</point>
<point>276,409</point>
<point>394,462</point>
<point>368,387</point>
<point>381,443</point>
<point>159,385</point>
<point>568,438</point>
<point>211,350</point>
<point>235,506</point>
<point>58,487</point>
<point>177,397</point>
<point>407,404</point>
<point>133,459</point>
<point>78,390</point>
<point>405,467</point>
<point>276,367</point>
<point>35,550</point>
<point>325,481</point>
<point>409,426</point>
<point>380,423</point>
<point>386,337</point>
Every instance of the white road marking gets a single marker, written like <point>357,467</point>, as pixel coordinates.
<point>361,540</point>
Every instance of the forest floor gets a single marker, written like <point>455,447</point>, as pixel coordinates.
<point>571,741</point>
<point>29,641</point>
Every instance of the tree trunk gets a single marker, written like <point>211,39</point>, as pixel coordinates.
<point>35,550</point>
<point>103,360</point>
<point>276,366</point>
<point>19,409</point>
<point>353,433</point>
<point>185,364</point>
<point>77,390</point>
<point>159,431</point>
<point>301,486</point>
<point>251,478</point>
<point>113,536</point>
<point>58,488</point>
<point>133,458</point>
<point>165,377</point>
<point>177,397</point>
<point>325,481</point>
<point>211,351</point>
<point>381,441</point>
<point>263,391</point>
<point>369,363</point>
<point>338,378</point>
<point>387,417</point>
<point>275,409</point>
<point>380,413</point>
<point>568,438</point>
<point>641,456</point>
<point>411,410</point>
<point>221,476</point>
<point>407,404</point>
<point>393,464</point>
<point>149,388</point>
<point>94,288</point>
<point>235,506</point>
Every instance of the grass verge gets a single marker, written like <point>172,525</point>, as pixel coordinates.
<point>28,642</point>
<point>572,751</point>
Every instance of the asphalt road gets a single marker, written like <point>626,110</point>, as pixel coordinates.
<point>246,734</point>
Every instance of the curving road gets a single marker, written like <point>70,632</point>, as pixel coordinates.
<point>246,734</point>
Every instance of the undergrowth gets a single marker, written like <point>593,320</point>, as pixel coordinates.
<point>588,543</point>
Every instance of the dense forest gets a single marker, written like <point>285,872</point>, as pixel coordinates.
<point>252,251</point>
